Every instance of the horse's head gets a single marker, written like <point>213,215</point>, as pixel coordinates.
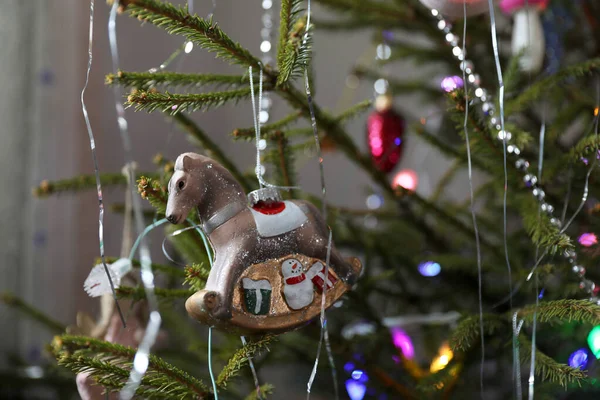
<point>185,187</point>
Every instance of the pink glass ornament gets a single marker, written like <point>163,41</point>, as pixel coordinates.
<point>384,138</point>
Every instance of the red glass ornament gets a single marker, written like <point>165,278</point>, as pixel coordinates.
<point>384,138</point>
<point>269,207</point>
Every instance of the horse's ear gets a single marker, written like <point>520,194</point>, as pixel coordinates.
<point>187,163</point>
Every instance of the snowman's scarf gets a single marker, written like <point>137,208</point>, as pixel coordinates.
<point>295,279</point>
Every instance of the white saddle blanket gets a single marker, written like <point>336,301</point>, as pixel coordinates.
<point>292,217</point>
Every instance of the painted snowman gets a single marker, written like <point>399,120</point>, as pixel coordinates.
<point>297,289</point>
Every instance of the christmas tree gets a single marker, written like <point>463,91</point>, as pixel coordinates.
<point>492,296</point>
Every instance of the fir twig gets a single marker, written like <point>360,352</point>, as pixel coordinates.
<point>265,390</point>
<point>565,310</point>
<point>107,362</point>
<point>265,130</point>
<point>82,182</point>
<point>196,276</point>
<point>148,80</point>
<point>165,269</point>
<point>176,103</point>
<point>212,148</point>
<point>18,304</point>
<point>547,368</point>
<point>354,111</point>
<point>293,51</point>
<point>151,190</point>
<point>206,34</point>
<point>536,90</point>
<point>467,331</point>
<point>139,293</point>
<point>240,358</point>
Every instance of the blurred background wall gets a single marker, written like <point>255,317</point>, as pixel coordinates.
<point>48,246</point>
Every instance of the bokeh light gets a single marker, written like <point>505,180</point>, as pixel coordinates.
<point>403,342</point>
<point>594,341</point>
<point>579,359</point>
<point>588,239</point>
<point>429,268</point>
<point>451,83</point>
<point>407,178</point>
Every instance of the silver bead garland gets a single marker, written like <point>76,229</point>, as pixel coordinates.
<point>531,181</point>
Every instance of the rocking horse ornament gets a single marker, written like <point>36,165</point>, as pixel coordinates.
<point>270,255</point>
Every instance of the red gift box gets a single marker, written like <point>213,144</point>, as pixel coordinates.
<point>317,271</point>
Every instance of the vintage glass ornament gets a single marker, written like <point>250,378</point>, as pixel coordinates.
<point>269,267</point>
<point>385,129</point>
<point>528,32</point>
<point>455,8</point>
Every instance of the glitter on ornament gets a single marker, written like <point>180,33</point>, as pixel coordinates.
<point>429,268</point>
<point>407,178</point>
<point>578,359</point>
<point>588,239</point>
<point>594,341</point>
<point>444,356</point>
<point>451,83</point>
<point>403,342</point>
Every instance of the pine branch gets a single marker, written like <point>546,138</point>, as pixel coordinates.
<point>151,190</point>
<point>467,332</point>
<point>82,182</point>
<point>212,148</point>
<point>566,310</point>
<point>293,51</point>
<point>284,161</point>
<point>586,147</point>
<point>265,390</point>
<point>119,208</point>
<point>265,130</point>
<point>542,232</point>
<point>196,276</point>
<point>148,80</point>
<point>240,358</point>
<point>175,103</point>
<point>109,364</point>
<point>165,269</point>
<point>368,8</point>
<point>539,88</point>
<point>18,304</point>
<point>139,293</point>
<point>397,86</point>
<point>354,111</point>
<point>206,34</point>
<point>547,368</point>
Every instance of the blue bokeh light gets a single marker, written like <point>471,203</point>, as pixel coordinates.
<point>429,268</point>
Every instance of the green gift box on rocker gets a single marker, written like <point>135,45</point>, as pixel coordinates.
<point>257,296</point>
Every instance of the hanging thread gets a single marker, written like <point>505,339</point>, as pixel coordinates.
<point>472,199</point>
<point>140,361</point>
<point>96,169</point>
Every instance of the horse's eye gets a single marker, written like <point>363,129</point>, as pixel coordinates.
<point>181,185</point>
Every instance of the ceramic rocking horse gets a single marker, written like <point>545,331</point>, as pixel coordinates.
<point>269,255</point>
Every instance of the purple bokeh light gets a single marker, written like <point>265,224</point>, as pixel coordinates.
<point>588,239</point>
<point>579,359</point>
<point>429,268</point>
<point>356,390</point>
<point>403,342</point>
<point>451,83</point>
